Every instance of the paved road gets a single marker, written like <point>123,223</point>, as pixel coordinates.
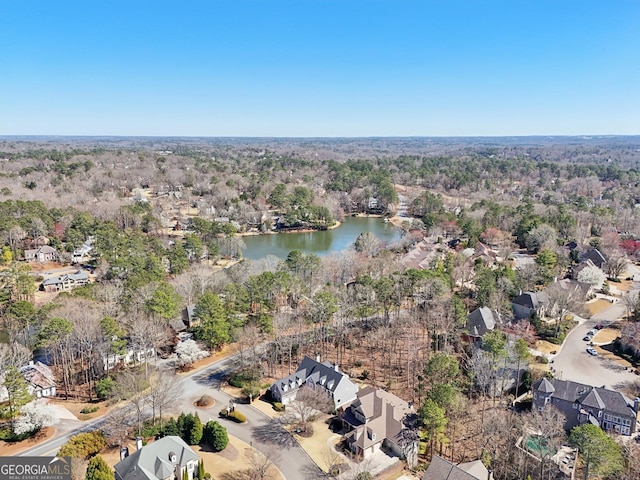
<point>259,432</point>
<point>574,363</point>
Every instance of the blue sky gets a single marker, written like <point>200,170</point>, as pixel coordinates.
<point>319,67</point>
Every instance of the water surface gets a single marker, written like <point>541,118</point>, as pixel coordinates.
<point>319,242</point>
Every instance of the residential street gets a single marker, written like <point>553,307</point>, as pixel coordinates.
<point>272,440</point>
<point>574,363</point>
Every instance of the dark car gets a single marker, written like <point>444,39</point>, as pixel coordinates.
<point>599,326</point>
<point>587,338</point>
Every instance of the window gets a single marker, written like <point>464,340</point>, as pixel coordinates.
<point>600,414</point>
<point>539,409</point>
<point>625,430</point>
<point>546,400</point>
<point>607,416</point>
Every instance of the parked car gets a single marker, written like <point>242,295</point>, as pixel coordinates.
<point>592,351</point>
<point>592,332</point>
<point>587,338</point>
<point>599,326</point>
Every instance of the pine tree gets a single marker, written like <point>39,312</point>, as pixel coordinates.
<point>98,469</point>
<point>17,392</point>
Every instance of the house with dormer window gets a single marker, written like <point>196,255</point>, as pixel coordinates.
<point>610,410</point>
<point>317,376</point>
<point>168,458</point>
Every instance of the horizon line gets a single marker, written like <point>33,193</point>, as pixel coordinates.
<point>583,136</point>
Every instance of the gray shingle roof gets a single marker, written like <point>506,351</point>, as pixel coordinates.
<point>153,462</point>
<point>480,321</point>
<point>527,299</point>
<point>587,395</point>
<point>441,469</point>
<point>323,374</point>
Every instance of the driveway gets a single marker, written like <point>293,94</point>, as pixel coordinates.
<point>575,364</point>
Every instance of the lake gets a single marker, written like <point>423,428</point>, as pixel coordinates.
<point>319,242</point>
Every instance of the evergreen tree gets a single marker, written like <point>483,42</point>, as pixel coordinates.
<point>201,469</point>
<point>17,392</point>
<point>98,469</point>
<point>170,428</point>
<point>214,328</point>
<point>194,435</point>
<point>215,435</point>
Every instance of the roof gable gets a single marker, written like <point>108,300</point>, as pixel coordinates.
<point>480,321</point>
<point>153,462</point>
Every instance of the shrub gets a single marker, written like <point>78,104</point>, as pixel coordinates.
<point>364,476</point>
<point>236,382</point>
<point>244,377</point>
<point>205,401</point>
<point>215,435</point>
<point>278,407</point>
<point>251,390</point>
<point>89,410</point>
<point>98,469</point>
<point>365,375</point>
<point>83,445</point>
<point>357,364</point>
<point>237,416</point>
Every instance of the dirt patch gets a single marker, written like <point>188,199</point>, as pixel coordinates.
<point>11,448</point>
<point>624,285</point>
<point>547,347</point>
<point>598,306</point>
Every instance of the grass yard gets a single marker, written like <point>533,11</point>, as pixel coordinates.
<point>546,347</point>
<point>597,306</point>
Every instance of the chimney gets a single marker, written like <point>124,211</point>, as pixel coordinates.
<point>489,474</point>
<point>124,453</point>
<point>318,358</point>
<point>335,367</point>
<point>138,443</point>
<point>636,404</point>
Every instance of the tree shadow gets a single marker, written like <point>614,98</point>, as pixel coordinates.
<point>274,433</point>
<point>313,472</point>
<point>210,379</point>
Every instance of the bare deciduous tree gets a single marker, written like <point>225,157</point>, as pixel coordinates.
<point>307,405</point>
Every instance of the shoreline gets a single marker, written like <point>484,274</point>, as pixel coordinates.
<point>303,230</point>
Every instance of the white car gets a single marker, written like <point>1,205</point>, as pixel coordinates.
<point>592,351</point>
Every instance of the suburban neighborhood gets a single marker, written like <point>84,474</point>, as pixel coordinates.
<point>166,340</point>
